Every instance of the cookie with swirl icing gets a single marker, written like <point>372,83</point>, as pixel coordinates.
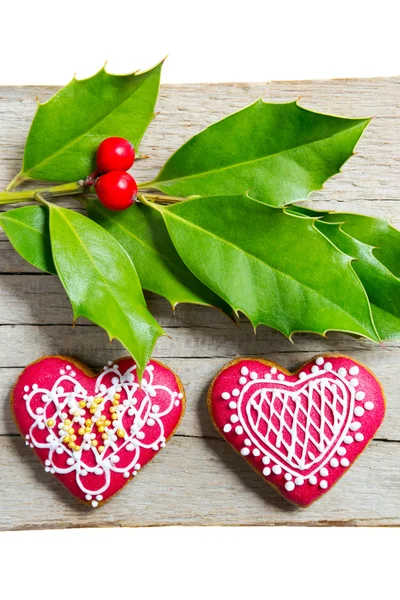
<point>96,431</point>
<point>300,431</point>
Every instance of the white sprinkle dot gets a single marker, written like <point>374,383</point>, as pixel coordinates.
<point>281,377</point>
<point>88,497</point>
<point>334,462</point>
<point>354,426</point>
<point>299,480</point>
<point>239,430</point>
<point>328,366</point>
<point>225,395</point>
<point>155,408</point>
<point>354,382</point>
<point>256,452</point>
<point>288,476</point>
<point>232,404</point>
<point>323,484</point>
<point>302,375</point>
<point>227,428</point>
<point>242,380</point>
<point>138,467</point>
<point>266,460</point>
<point>177,403</point>
<point>341,451</point>
<point>266,471</point>
<point>320,360</point>
<point>150,422</point>
<point>95,503</point>
<point>126,474</point>
<point>277,469</point>
<point>348,439</point>
<point>359,411</point>
<point>345,462</point>
<point>26,388</point>
<point>369,405</point>
<point>247,442</point>
<point>235,392</point>
<point>360,395</point>
<point>98,471</point>
<point>354,370</point>
<point>70,461</point>
<point>273,370</point>
<point>244,371</point>
<point>342,372</point>
<point>234,418</point>
<point>313,480</point>
<point>359,437</point>
<point>314,369</point>
<point>245,452</point>
<point>324,472</point>
<point>140,435</point>
<point>114,459</point>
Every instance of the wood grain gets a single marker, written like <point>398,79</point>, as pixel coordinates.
<point>198,479</point>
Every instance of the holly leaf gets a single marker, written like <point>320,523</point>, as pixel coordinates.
<point>27,228</point>
<point>142,232</point>
<point>381,286</point>
<point>101,282</point>
<point>67,129</point>
<point>277,153</point>
<point>276,268</point>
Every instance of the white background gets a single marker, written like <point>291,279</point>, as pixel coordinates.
<point>46,43</point>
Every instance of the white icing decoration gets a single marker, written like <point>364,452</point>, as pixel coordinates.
<point>266,460</point>
<point>334,462</point>
<point>289,486</point>
<point>239,430</point>
<point>345,462</point>
<point>360,396</point>
<point>281,377</point>
<point>227,427</point>
<point>235,392</point>
<point>355,426</point>
<point>232,404</point>
<point>266,471</point>
<point>359,411</point>
<point>359,437</point>
<point>342,372</point>
<point>299,480</point>
<point>354,382</point>
<point>324,472</point>
<point>273,370</point>
<point>328,366</point>
<point>234,418</point>
<point>242,380</point>
<point>247,442</point>
<point>244,371</point>
<point>323,484</point>
<point>312,479</point>
<point>253,375</point>
<point>225,395</point>
<point>369,406</point>
<point>341,451</point>
<point>277,469</point>
<point>348,439</point>
<point>245,451</point>
<point>256,452</point>
<point>288,476</point>
<point>320,360</point>
<point>62,405</point>
<point>354,370</point>
<point>314,369</point>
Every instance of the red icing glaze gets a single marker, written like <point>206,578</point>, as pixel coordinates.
<point>147,417</point>
<point>309,426</point>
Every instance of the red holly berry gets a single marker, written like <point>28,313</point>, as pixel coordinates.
<point>115,154</point>
<point>116,190</point>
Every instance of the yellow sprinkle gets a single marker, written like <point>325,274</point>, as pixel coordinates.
<point>71,445</point>
<point>101,429</point>
<point>81,431</point>
<point>92,411</point>
<point>99,423</point>
<point>77,413</point>
<point>50,423</point>
<point>104,436</point>
<point>88,422</point>
<point>107,423</point>
<point>117,396</point>
<point>101,448</point>
<point>71,430</point>
<point>67,422</point>
<point>113,409</point>
<point>82,404</point>
<point>87,430</point>
<point>114,416</point>
<point>98,400</point>
<point>94,443</point>
<point>120,433</point>
<point>67,439</point>
<point>77,448</point>
<point>103,418</point>
<point>115,402</point>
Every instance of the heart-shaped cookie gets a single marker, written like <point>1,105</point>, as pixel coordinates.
<point>94,432</point>
<point>301,431</point>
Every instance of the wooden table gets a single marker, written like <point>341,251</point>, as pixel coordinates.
<point>198,479</point>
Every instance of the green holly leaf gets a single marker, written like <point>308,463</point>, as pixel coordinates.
<point>276,268</point>
<point>67,129</point>
<point>142,232</point>
<point>277,153</point>
<point>101,282</point>
<point>381,286</point>
<point>27,228</point>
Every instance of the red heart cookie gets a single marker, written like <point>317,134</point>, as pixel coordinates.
<point>95,431</point>
<point>301,431</point>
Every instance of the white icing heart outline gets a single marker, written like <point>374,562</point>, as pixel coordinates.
<point>304,382</point>
<point>120,381</point>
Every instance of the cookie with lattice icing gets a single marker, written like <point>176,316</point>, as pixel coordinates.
<point>300,431</point>
<point>96,431</point>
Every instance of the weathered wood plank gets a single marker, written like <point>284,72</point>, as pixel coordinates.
<point>197,481</point>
